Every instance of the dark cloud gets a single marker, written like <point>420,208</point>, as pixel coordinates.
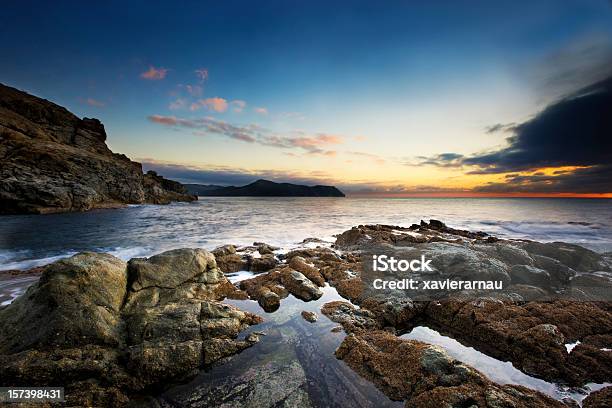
<point>439,160</point>
<point>575,131</point>
<point>596,179</point>
<point>583,61</point>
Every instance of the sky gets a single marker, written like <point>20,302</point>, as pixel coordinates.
<point>457,98</point>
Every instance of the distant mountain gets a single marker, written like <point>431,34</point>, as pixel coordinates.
<point>200,189</point>
<point>264,188</point>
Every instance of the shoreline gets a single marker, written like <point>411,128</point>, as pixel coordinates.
<point>277,276</point>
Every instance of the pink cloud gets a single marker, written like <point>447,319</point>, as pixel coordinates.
<point>154,74</point>
<point>261,111</point>
<point>320,139</point>
<point>214,104</point>
<point>172,121</point>
<point>238,105</point>
<point>94,102</point>
<point>202,74</point>
<point>253,133</point>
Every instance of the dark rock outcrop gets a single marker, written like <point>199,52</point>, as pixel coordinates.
<point>53,161</point>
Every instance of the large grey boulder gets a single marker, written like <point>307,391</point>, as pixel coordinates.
<point>173,268</point>
<point>92,318</point>
<point>76,301</point>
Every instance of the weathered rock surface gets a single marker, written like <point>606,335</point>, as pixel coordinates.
<point>514,324</point>
<point>52,161</point>
<point>425,376</point>
<point>268,289</point>
<point>230,259</point>
<point>109,331</point>
<point>170,322</point>
<point>309,316</point>
<point>599,399</point>
<point>300,286</point>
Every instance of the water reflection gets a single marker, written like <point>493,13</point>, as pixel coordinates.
<point>293,364</point>
<point>501,372</point>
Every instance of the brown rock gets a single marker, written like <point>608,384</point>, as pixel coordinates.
<point>228,260</point>
<point>309,316</point>
<point>263,263</point>
<point>426,376</point>
<point>299,285</point>
<point>299,264</point>
<point>599,399</point>
<point>52,161</point>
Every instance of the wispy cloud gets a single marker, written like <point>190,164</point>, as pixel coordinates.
<point>202,74</point>
<point>93,102</point>
<point>261,110</point>
<point>317,143</point>
<point>194,90</point>
<point>500,127</point>
<point>584,60</point>
<point>292,115</point>
<point>154,74</point>
<point>179,103</point>
<point>238,105</point>
<point>438,160</point>
<point>215,104</point>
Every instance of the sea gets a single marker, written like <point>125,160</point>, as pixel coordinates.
<point>142,230</point>
<point>296,356</point>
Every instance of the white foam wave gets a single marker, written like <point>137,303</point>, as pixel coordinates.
<point>20,260</point>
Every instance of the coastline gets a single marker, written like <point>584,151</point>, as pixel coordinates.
<point>303,274</point>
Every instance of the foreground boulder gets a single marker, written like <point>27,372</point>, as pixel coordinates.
<point>53,161</point>
<point>93,319</point>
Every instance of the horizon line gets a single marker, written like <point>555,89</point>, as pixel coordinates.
<point>480,195</point>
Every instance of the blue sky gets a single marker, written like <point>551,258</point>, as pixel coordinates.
<point>382,82</point>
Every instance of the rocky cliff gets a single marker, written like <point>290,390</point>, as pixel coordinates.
<point>53,161</point>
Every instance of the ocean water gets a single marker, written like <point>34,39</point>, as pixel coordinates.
<point>142,230</point>
<point>293,353</point>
